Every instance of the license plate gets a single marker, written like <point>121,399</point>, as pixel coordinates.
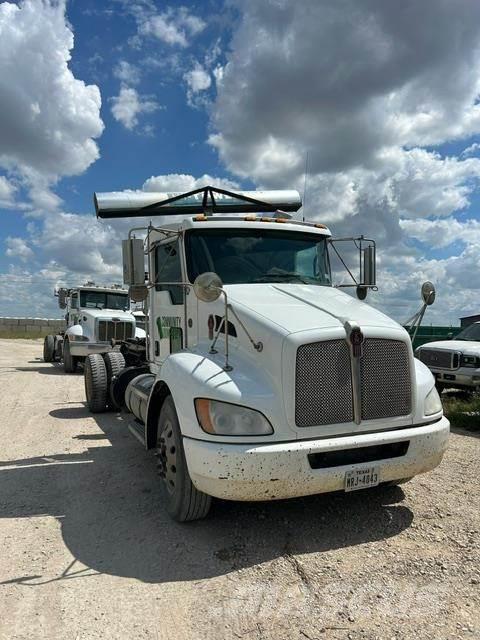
<point>361,478</point>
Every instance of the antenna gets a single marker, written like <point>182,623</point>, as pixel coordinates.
<point>305,188</point>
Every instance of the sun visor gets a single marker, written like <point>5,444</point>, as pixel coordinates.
<point>131,204</point>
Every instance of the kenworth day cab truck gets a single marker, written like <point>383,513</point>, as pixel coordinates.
<point>96,318</point>
<point>259,379</point>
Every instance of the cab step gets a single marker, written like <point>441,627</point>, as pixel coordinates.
<point>137,429</point>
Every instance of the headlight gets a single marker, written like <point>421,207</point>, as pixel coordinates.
<point>433,404</point>
<point>222,418</point>
<point>469,361</point>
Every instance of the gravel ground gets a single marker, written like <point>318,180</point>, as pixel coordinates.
<point>88,551</point>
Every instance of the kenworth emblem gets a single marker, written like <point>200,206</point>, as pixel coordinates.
<point>356,340</point>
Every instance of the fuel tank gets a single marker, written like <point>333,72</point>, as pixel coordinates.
<point>137,394</point>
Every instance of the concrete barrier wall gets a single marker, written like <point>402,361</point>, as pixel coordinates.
<point>29,327</point>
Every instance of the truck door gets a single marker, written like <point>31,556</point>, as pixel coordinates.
<point>168,313</point>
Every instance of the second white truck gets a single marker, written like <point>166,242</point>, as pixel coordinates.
<point>96,319</point>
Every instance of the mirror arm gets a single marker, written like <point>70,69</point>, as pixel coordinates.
<point>258,346</point>
<point>223,324</point>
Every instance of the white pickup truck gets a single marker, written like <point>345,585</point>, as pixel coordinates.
<point>261,379</point>
<point>454,363</point>
<point>97,318</point>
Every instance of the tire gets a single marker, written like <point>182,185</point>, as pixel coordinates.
<point>57,354</point>
<point>69,361</point>
<point>48,348</point>
<point>114,363</point>
<point>96,386</point>
<point>183,501</point>
<point>119,384</point>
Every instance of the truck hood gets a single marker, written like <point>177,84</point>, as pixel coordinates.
<point>107,314</point>
<point>468,347</point>
<point>300,307</point>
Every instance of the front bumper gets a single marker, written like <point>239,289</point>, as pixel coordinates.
<point>463,378</point>
<point>283,470</point>
<point>84,349</point>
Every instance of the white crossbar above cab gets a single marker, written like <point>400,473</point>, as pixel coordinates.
<point>131,204</point>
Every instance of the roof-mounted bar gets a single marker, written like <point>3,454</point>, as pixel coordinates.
<point>207,200</point>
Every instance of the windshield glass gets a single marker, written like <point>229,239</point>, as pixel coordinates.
<point>103,300</point>
<point>253,255</point>
<point>472,332</point>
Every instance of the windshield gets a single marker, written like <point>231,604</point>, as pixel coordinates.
<point>253,255</point>
<point>103,300</point>
<point>472,332</point>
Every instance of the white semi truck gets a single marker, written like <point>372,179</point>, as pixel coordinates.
<point>260,379</point>
<point>96,319</point>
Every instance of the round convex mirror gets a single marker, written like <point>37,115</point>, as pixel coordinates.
<point>138,292</point>
<point>208,286</point>
<point>428,292</point>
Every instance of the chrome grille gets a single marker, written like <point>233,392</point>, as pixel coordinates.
<point>439,358</point>
<point>385,379</point>
<point>324,389</point>
<point>323,384</point>
<point>119,330</point>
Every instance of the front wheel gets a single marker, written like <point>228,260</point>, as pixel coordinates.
<point>183,501</point>
<point>48,348</point>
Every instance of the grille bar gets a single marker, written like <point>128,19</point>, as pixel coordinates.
<point>110,330</point>
<point>324,389</point>
<point>439,358</point>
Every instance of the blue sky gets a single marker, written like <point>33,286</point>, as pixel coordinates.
<point>156,95</point>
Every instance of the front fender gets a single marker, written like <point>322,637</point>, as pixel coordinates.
<point>74,330</point>
<point>190,375</point>
<point>424,384</point>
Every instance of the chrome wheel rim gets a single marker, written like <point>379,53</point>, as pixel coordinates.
<point>167,454</point>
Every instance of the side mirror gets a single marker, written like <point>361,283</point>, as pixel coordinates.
<point>428,293</point>
<point>62,298</point>
<point>133,261</point>
<point>369,271</point>
<point>138,292</point>
<point>208,286</point>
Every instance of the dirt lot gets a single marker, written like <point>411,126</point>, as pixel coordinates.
<point>88,551</point>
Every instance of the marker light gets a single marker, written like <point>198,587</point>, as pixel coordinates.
<point>433,404</point>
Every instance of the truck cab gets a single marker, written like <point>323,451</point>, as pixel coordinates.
<point>96,319</point>
<point>261,380</point>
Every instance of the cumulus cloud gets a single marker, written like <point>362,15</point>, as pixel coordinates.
<point>185,182</point>
<point>18,248</point>
<point>367,90</point>
<point>346,80</point>
<point>127,72</point>
<point>50,119</point>
<point>198,79</point>
<point>7,192</point>
<point>442,233</point>
<point>173,26</point>
<point>129,105</point>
